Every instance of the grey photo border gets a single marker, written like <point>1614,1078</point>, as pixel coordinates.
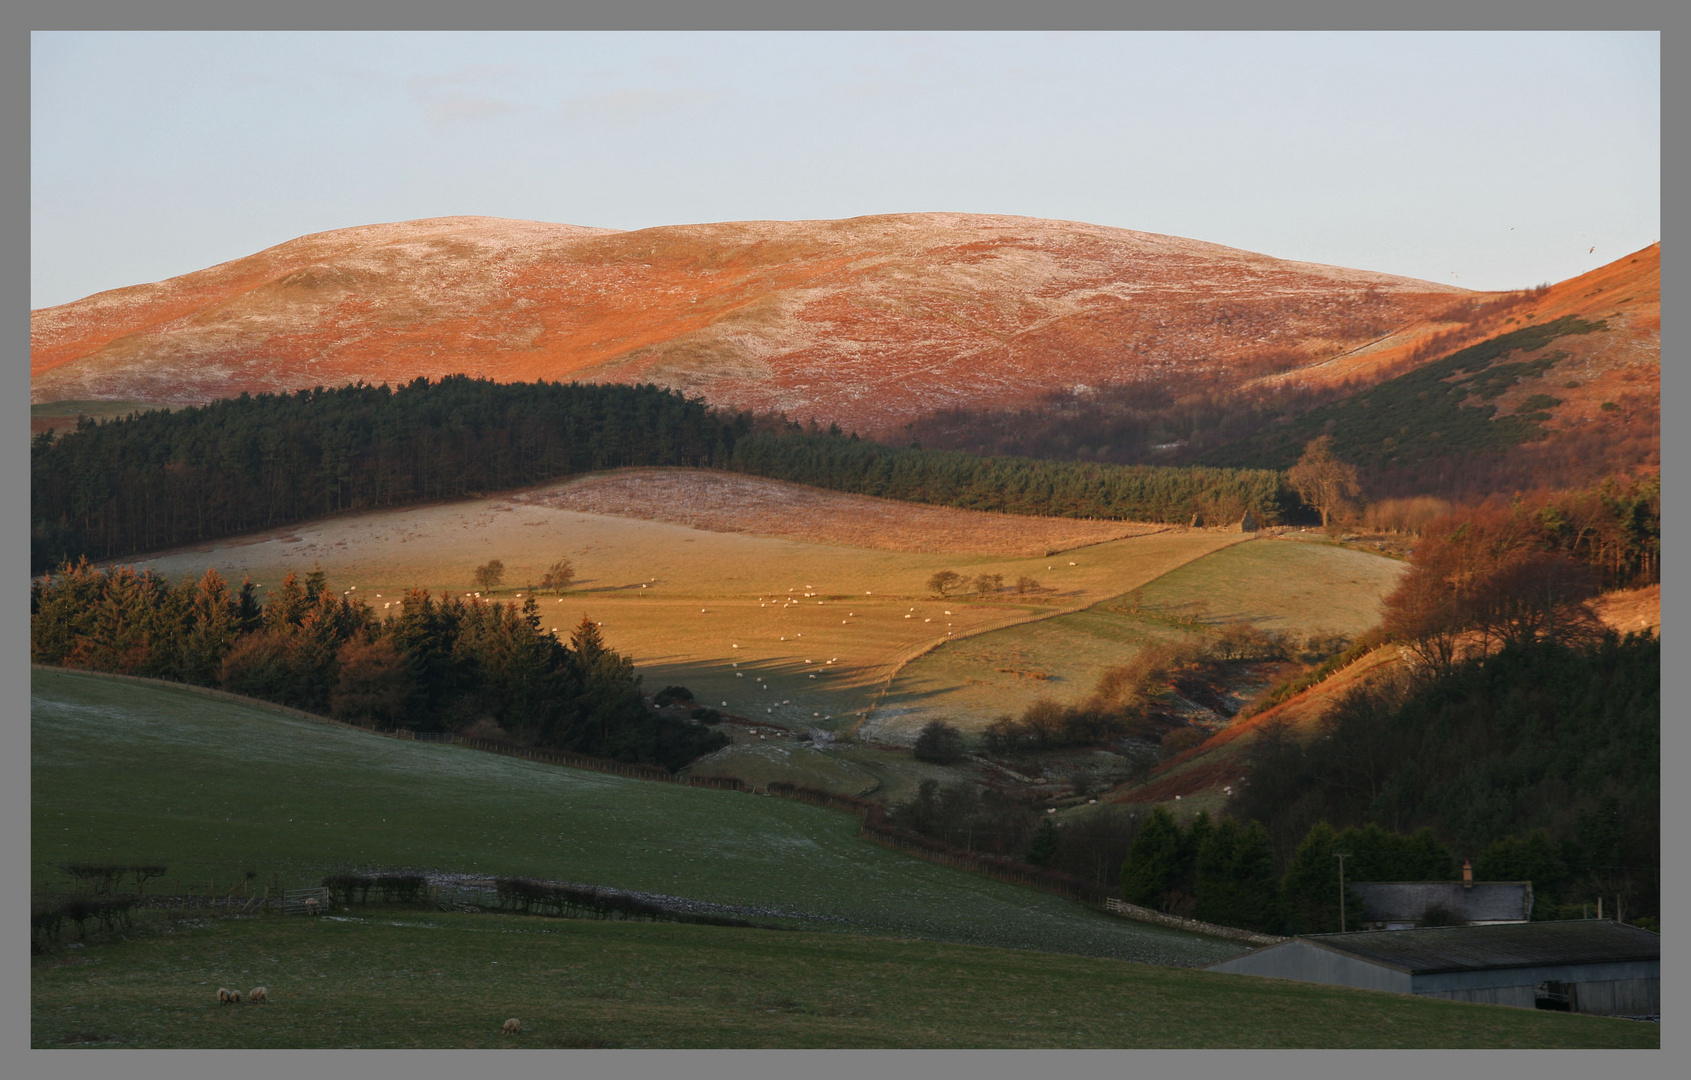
<point>23,17</point>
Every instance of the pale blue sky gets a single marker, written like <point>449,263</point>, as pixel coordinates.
<point>1488,160</point>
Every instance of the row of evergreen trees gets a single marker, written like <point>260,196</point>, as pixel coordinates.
<point>159,479</point>
<point>1014,485</point>
<point>1224,872</point>
<point>1549,735</point>
<point>162,478</point>
<point>441,664</point>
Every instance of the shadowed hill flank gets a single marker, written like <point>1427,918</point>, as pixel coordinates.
<point>1626,294</point>
<point>868,321</point>
<point>1557,385</point>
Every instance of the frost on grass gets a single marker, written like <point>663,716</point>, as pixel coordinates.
<point>470,812</point>
<point>726,502</point>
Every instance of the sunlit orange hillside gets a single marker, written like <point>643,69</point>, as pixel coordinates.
<point>1622,361</point>
<point>867,321</point>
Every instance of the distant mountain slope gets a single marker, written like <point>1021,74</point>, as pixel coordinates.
<point>1560,389</point>
<point>867,322</point>
<point>1557,385</point>
<point>1624,358</point>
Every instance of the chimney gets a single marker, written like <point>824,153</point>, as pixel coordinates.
<point>1467,874</point>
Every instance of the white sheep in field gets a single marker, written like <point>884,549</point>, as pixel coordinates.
<point>223,995</point>
<point>234,997</point>
<point>513,1026</point>
<point>259,996</point>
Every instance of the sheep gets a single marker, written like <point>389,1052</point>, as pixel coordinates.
<point>223,995</point>
<point>311,905</point>
<point>234,997</point>
<point>513,1026</point>
<point>259,996</point>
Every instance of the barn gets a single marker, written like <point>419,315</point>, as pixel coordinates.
<point>1401,905</point>
<point>1579,965</point>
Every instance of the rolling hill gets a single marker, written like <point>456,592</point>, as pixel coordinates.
<point>867,322</point>
<point>1557,386</point>
<point>211,789</point>
<point>1567,382</point>
<point>1202,776</point>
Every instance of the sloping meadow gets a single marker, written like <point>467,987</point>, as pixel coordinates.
<point>127,773</point>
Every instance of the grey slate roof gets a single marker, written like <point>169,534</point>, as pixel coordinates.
<point>1408,901</point>
<point>1472,948</point>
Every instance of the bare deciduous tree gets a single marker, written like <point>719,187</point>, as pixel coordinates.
<point>1322,480</point>
<point>490,574</point>
<point>558,576</point>
<point>946,582</point>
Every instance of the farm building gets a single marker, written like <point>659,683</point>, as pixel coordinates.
<point>1402,905</point>
<point>1581,965</point>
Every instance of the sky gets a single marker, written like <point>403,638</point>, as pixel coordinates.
<point>1488,160</point>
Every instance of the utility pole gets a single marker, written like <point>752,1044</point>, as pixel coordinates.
<point>1341,856</point>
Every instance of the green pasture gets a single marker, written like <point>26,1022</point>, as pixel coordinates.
<point>762,762</point>
<point>123,772</point>
<point>1298,587</point>
<point>849,767</point>
<point>1277,585</point>
<point>398,978</point>
<point>971,682</point>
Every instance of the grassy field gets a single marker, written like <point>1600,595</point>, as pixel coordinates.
<point>1278,585</point>
<point>1296,586</point>
<point>394,978</point>
<point>127,773</point>
<point>725,614</point>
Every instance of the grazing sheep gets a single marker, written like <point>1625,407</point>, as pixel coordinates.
<point>234,997</point>
<point>513,1026</point>
<point>259,996</point>
<point>311,905</point>
<point>223,995</point>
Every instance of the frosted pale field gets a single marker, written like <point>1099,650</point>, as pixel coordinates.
<point>212,789</point>
<point>733,503</point>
